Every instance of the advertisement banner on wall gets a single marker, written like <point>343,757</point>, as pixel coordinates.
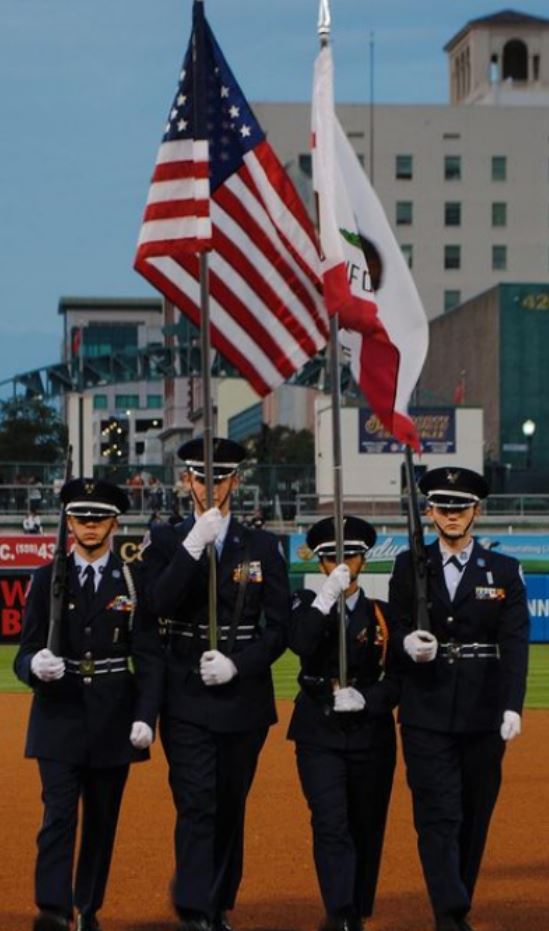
<point>436,427</point>
<point>531,550</point>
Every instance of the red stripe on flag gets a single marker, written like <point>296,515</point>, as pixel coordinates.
<point>174,248</point>
<point>172,209</point>
<point>172,171</point>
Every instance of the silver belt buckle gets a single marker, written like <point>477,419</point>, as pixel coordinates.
<point>453,652</point>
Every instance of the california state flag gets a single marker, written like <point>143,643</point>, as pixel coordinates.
<point>366,279</point>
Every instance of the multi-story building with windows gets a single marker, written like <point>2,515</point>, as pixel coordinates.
<point>465,186</point>
<point>127,415</point>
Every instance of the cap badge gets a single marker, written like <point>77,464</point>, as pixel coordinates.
<point>89,488</point>
<point>452,477</point>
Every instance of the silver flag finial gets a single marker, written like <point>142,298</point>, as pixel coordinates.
<point>324,20</point>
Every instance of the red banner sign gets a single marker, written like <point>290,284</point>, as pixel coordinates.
<point>26,551</point>
<point>13,590</point>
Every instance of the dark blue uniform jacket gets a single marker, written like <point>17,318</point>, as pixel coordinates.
<point>89,723</point>
<point>467,694</point>
<point>371,669</point>
<point>177,589</point>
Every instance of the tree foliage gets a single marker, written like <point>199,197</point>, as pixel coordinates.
<point>282,446</point>
<point>31,431</point>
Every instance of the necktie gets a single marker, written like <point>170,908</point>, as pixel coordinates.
<point>455,562</point>
<point>88,588</point>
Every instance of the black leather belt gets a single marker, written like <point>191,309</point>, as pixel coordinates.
<point>96,667</point>
<point>454,651</point>
<point>200,631</point>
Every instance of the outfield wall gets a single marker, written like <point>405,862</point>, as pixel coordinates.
<point>21,555</point>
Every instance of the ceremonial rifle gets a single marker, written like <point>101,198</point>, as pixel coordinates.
<point>417,547</point>
<point>59,571</point>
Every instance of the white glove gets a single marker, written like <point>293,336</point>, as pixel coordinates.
<point>216,668</point>
<point>46,666</point>
<point>348,699</point>
<point>141,735</point>
<point>421,645</point>
<point>206,529</point>
<point>510,727</point>
<point>338,581</point>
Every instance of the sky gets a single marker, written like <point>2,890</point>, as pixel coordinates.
<point>86,89</point>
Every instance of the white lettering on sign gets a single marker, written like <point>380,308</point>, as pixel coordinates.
<point>538,607</point>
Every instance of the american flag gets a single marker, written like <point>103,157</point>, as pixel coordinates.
<point>230,194</point>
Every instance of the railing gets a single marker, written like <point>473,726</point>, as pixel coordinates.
<point>285,505</point>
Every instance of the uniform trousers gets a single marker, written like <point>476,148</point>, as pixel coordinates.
<point>455,780</point>
<point>210,777</point>
<point>348,794</point>
<point>101,789</point>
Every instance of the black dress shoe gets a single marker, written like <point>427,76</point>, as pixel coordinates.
<point>342,922</point>
<point>195,924</point>
<point>221,922</point>
<point>87,923</point>
<point>448,923</point>
<point>50,921</point>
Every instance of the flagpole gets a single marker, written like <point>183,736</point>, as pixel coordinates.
<point>324,22</point>
<point>199,112</point>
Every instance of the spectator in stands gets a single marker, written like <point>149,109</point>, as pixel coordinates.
<point>32,523</point>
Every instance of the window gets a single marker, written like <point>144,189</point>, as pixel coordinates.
<point>499,168</point>
<point>100,402</point>
<point>499,258</point>
<point>404,169</point>
<point>452,167</point>
<point>408,253</point>
<point>451,299</point>
<point>142,424</point>
<point>126,401</point>
<point>105,339</point>
<point>306,164</point>
<point>404,212</point>
<point>155,400</point>
<point>452,256</point>
<point>499,214</point>
<point>452,213</point>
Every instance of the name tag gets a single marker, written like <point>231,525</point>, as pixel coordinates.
<point>489,594</point>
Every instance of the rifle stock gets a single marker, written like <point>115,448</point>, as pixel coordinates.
<point>58,584</point>
<point>417,548</point>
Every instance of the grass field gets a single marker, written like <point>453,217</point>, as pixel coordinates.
<point>285,673</point>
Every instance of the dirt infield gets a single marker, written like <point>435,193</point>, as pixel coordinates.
<point>279,889</point>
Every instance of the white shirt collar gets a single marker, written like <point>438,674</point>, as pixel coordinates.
<point>98,564</point>
<point>350,602</point>
<point>462,556</point>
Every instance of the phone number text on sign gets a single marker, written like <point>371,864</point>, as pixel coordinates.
<point>28,551</point>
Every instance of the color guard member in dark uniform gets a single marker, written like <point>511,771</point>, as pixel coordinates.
<point>94,707</point>
<point>345,737</point>
<point>463,689</point>
<point>219,702</point>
